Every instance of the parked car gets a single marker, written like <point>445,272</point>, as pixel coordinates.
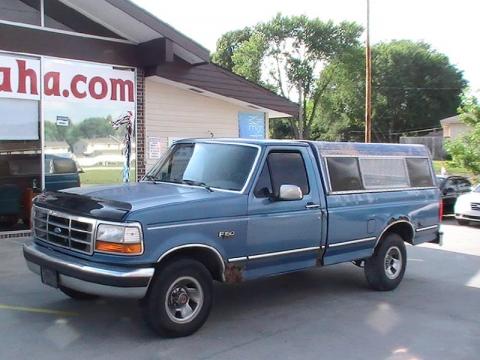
<point>467,207</point>
<point>451,187</point>
<point>235,210</point>
<point>61,173</point>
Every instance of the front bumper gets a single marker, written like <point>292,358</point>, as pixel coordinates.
<point>468,215</point>
<point>86,276</point>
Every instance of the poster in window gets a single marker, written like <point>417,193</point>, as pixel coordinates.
<point>251,125</point>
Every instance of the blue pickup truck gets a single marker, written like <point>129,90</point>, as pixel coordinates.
<point>232,210</point>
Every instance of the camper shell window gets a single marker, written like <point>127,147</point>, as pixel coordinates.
<point>368,173</point>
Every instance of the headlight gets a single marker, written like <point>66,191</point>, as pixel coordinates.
<point>119,239</point>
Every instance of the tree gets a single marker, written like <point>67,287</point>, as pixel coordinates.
<point>414,87</point>
<point>288,54</point>
<point>96,127</point>
<point>465,151</point>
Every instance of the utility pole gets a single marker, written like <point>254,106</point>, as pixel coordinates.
<point>368,81</point>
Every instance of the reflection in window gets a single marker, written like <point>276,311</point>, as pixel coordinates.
<point>378,173</point>
<point>222,166</point>
<point>419,172</point>
<point>288,168</point>
<point>344,174</point>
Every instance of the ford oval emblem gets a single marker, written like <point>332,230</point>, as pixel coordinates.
<point>57,230</point>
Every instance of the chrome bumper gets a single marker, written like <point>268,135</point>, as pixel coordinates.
<point>86,276</point>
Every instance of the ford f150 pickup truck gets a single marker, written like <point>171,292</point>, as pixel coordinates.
<point>232,210</point>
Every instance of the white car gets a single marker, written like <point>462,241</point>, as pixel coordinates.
<point>467,207</point>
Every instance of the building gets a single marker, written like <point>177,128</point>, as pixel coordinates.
<point>70,67</point>
<point>453,127</point>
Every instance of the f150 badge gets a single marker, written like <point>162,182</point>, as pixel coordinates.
<point>226,234</point>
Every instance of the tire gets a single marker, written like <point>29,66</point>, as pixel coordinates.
<point>78,295</point>
<point>462,222</point>
<point>179,298</point>
<point>384,270</point>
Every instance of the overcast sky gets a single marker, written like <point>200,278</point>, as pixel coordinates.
<point>451,27</point>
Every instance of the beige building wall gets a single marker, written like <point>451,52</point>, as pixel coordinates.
<point>173,113</point>
<point>455,130</point>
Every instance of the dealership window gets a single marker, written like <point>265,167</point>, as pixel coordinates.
<point>81,127</point>
<point>19,119</point>
<point>20,161</point>
<point>82,144</point>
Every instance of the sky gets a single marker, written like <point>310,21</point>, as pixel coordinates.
<point>451,27</point>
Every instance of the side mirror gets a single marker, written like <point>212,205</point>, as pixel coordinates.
<point>290,192</point>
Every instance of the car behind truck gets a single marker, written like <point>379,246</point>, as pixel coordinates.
<point>233,210</point>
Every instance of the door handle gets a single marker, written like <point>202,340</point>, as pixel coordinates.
<point>311,205</point>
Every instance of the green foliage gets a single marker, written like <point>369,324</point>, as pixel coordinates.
<point>414,87</point>
<point>87,129</point>
<point>465,151</point>
<point>227,46</point>
<point>287,54</point>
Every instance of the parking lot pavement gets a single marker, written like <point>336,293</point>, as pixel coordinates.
<point>326,313</point>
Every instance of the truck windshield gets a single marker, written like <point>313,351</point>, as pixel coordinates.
<point>221,166</point>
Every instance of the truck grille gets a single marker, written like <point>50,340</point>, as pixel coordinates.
<point>475,206</point>
<point>67,231</point>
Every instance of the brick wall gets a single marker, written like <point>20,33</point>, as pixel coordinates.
<point>140,123</point>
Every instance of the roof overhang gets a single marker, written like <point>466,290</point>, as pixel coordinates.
<point>220,83</point>
<point>135,24</point>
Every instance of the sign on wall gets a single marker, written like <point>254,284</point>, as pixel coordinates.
<point>154,148</point>
<point>21,78</point>
<point>251,125</point>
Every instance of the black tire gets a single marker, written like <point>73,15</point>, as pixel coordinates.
<point>171,293</point>
<point>78,295</point>
<point>383,273</point>
<point>463,222</point>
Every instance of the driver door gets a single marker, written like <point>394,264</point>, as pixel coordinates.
<point>284,235</point>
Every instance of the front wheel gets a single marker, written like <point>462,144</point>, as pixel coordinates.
<point>385,268</point>
<point>179,300</point>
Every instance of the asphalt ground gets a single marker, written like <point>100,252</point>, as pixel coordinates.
<point>324,313</point>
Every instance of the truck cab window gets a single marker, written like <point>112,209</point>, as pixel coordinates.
<point>264,183</point>
<point>288,168</point>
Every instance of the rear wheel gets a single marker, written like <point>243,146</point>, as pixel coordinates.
<point>384,270</point>
<point>179,300</point>
<point>77,295</point>
<point>462,222</point>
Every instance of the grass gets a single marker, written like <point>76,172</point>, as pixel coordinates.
<point>452,169</point>
<point>107,175</point>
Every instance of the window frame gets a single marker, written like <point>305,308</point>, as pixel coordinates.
<point>332,192</point>
<point>266,162</point>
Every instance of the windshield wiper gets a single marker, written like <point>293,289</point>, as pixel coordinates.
<point>196,183</point>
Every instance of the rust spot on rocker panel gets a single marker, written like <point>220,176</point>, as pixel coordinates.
<point>234,273</point>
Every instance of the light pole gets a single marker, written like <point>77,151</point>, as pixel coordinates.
<point>368,81</point>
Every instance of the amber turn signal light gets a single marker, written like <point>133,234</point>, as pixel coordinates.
<point>106,246</point>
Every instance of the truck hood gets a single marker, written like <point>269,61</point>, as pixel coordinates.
<point>114,202</point>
